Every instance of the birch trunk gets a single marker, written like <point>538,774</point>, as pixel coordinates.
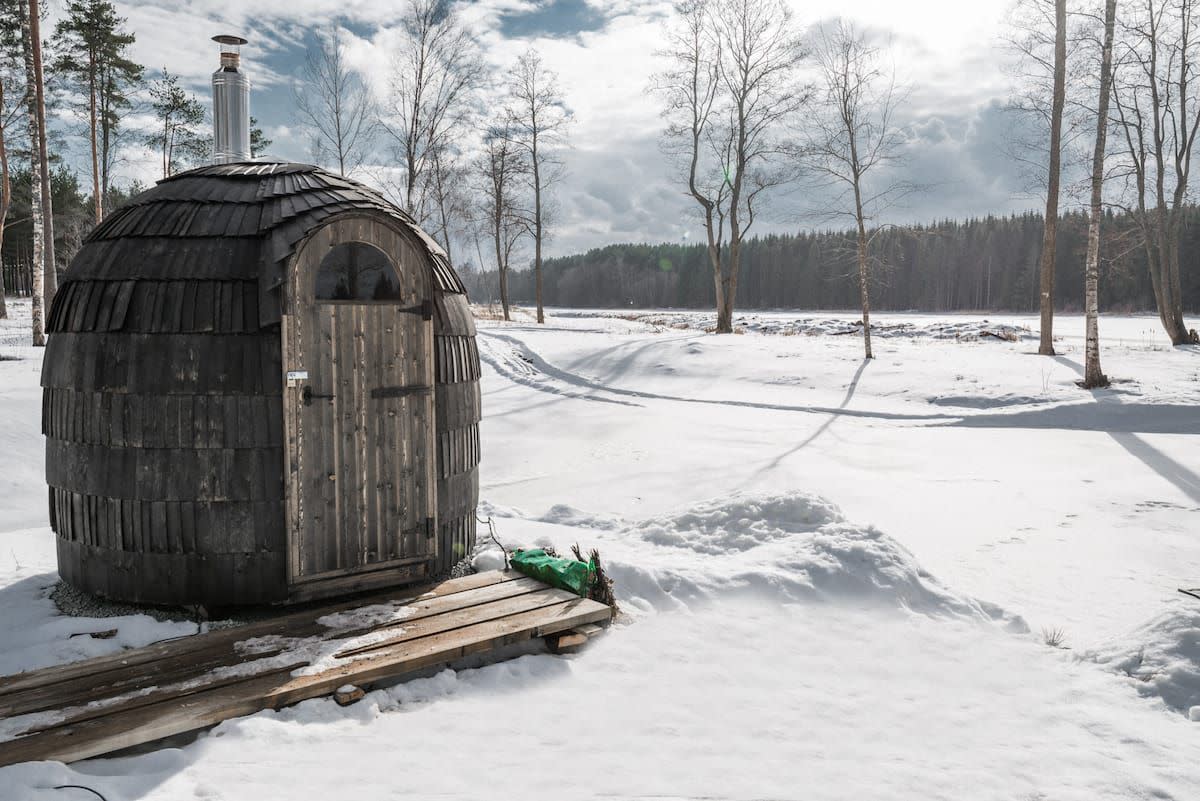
<point>5,201</point>
<point>37,266</point>
<point>1050,231</point>
<point>722,309</point>
<point>728,295</point>
<point>51,265</point>
<point>97,197</point>
<point>501,262</point>
<point>1093,376</point>
<point>537,225</point>
<point>864,286</point>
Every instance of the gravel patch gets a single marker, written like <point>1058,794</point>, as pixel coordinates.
<point>463,568</point>
<point>73,602</point>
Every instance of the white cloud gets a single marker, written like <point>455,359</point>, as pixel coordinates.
<point>618,185</point>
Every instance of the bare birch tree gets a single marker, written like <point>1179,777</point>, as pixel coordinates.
<point>854,136</point>
<point>435,79</point>
<point>731,85</point>
<point>1053,123</point>
<point>538,118</point>
<point>50,278</point>
<point>1053,178</point>
<point>42,209</point>
<point>1093,375</point>
<point>498,169</point>
<point>447,197</point>
<point>6,118</point>
<point>1158,114</point>
<point>1031,38</point>
<point>335,105</point>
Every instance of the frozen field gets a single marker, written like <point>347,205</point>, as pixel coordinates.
<point>839,576</point>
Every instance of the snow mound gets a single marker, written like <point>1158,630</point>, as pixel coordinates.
<point>741,523</point>
<point>565,515</point>
<point>488,558</point>
<point>791,547</point>
<point>987,401</point>
<point>1162,658</point>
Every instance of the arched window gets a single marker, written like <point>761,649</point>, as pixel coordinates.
<point>357,271</point>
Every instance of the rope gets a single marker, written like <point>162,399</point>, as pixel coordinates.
<point>81,787</point>
<point>491,524</point>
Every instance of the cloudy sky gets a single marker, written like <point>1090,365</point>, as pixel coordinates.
<point>618,187</point>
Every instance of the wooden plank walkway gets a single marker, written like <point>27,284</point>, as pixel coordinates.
<point>97,706</point>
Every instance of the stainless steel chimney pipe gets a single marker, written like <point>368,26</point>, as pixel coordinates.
<point>231,104</point>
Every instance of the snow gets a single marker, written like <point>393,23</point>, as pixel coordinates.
<point>835,576</point>
<point>786,325</point>
<point>1161,658</point>
<point>780,548</point>
<point>364,616</point>
<point>1074,509</point>
<point>22,497</point>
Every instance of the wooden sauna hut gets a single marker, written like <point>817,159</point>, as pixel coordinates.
<point>261,386</point>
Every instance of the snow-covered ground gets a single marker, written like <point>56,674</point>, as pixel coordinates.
<point>839,576</point>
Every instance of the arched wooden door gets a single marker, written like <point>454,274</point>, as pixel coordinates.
<point>359,408</point>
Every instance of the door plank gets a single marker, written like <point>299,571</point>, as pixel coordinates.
<point>381,451</point>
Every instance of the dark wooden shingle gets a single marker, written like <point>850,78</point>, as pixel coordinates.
<point>163,406</point>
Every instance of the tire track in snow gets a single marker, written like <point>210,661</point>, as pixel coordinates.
<point>516,361</point>
<point>518,365</point>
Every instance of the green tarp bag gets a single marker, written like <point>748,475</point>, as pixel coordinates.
<point>567,574</point>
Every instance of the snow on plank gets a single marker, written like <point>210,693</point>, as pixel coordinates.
<point>98,706</point>
<point>188,659</point>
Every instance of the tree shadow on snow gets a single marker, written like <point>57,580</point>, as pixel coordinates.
<point>1121,421</point>
<point>1182,477</point>
<point>1111,418</point>
<point>833,415</point>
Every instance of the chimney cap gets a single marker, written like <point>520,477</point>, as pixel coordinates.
<point>229,39</point>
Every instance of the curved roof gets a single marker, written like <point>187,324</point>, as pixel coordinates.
<point>231,222</point>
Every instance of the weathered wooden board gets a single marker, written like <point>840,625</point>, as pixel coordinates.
<point>450,592</point>
<point>112,703</point>
<point>195,656</point>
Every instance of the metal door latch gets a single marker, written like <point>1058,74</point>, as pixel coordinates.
<point>308,396</point>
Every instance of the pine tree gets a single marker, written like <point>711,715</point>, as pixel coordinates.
<point>259,143</point>
<point>10,111</point>
<point>91,46</point>
<point>179,116</point>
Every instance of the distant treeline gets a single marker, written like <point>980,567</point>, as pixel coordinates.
<point>988,263</point>
<point>72,222</point>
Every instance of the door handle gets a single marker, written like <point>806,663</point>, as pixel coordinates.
<point>308,395</point>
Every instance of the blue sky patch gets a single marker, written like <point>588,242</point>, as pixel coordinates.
<point>558,18</point>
